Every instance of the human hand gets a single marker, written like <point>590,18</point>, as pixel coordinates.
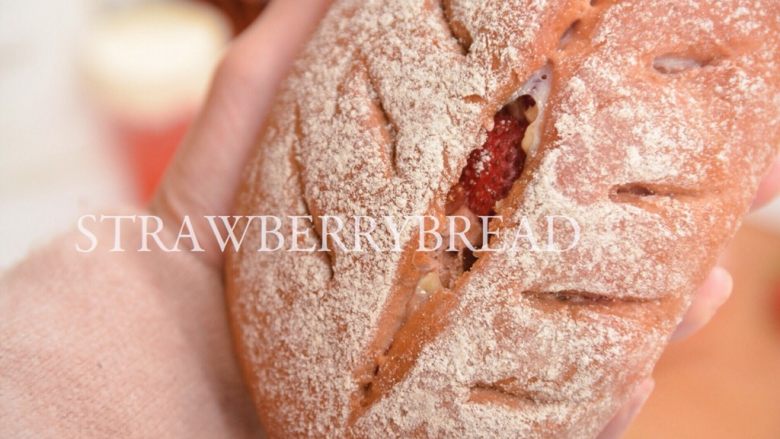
<point>136,344</point>
<point>221,141</point>
<point>205,173</point>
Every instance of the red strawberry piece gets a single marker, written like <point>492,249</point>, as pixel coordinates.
<point>492,169</point>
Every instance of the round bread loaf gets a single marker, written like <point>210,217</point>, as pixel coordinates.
<point>648,122</point>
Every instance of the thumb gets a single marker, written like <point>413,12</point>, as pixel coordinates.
<point>204,175</point>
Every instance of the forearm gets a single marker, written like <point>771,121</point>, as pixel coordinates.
<point>71,364</point>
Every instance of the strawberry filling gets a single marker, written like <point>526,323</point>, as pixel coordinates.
<point>492,169</point>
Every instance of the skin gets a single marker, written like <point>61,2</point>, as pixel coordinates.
<point>219,144</point>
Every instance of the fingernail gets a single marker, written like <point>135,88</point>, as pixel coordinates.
<point>644,390</point>
<point>772,181</point>
<point>641,395</point>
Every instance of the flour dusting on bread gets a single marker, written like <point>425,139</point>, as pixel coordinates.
<point>660,120</point>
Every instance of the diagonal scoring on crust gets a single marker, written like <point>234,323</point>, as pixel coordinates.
<point>456,28</point>
<point>361,83</point>
<point>307,208</point>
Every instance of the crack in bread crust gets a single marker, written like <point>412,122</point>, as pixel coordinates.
<point>612,120</point>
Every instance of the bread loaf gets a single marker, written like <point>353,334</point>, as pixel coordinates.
<point>651,123</point>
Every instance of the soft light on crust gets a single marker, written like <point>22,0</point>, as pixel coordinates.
<point>657,165</point>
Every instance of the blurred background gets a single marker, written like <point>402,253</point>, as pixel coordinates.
<point>95,95</point>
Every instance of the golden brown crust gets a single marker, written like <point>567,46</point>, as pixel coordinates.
<point>662,117</point>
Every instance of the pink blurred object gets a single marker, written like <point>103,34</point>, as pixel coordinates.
<point>148,67</point>
<point>149,151</point>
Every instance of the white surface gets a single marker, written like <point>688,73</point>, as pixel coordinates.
<point>57,160</point>
<point>54,158</point>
